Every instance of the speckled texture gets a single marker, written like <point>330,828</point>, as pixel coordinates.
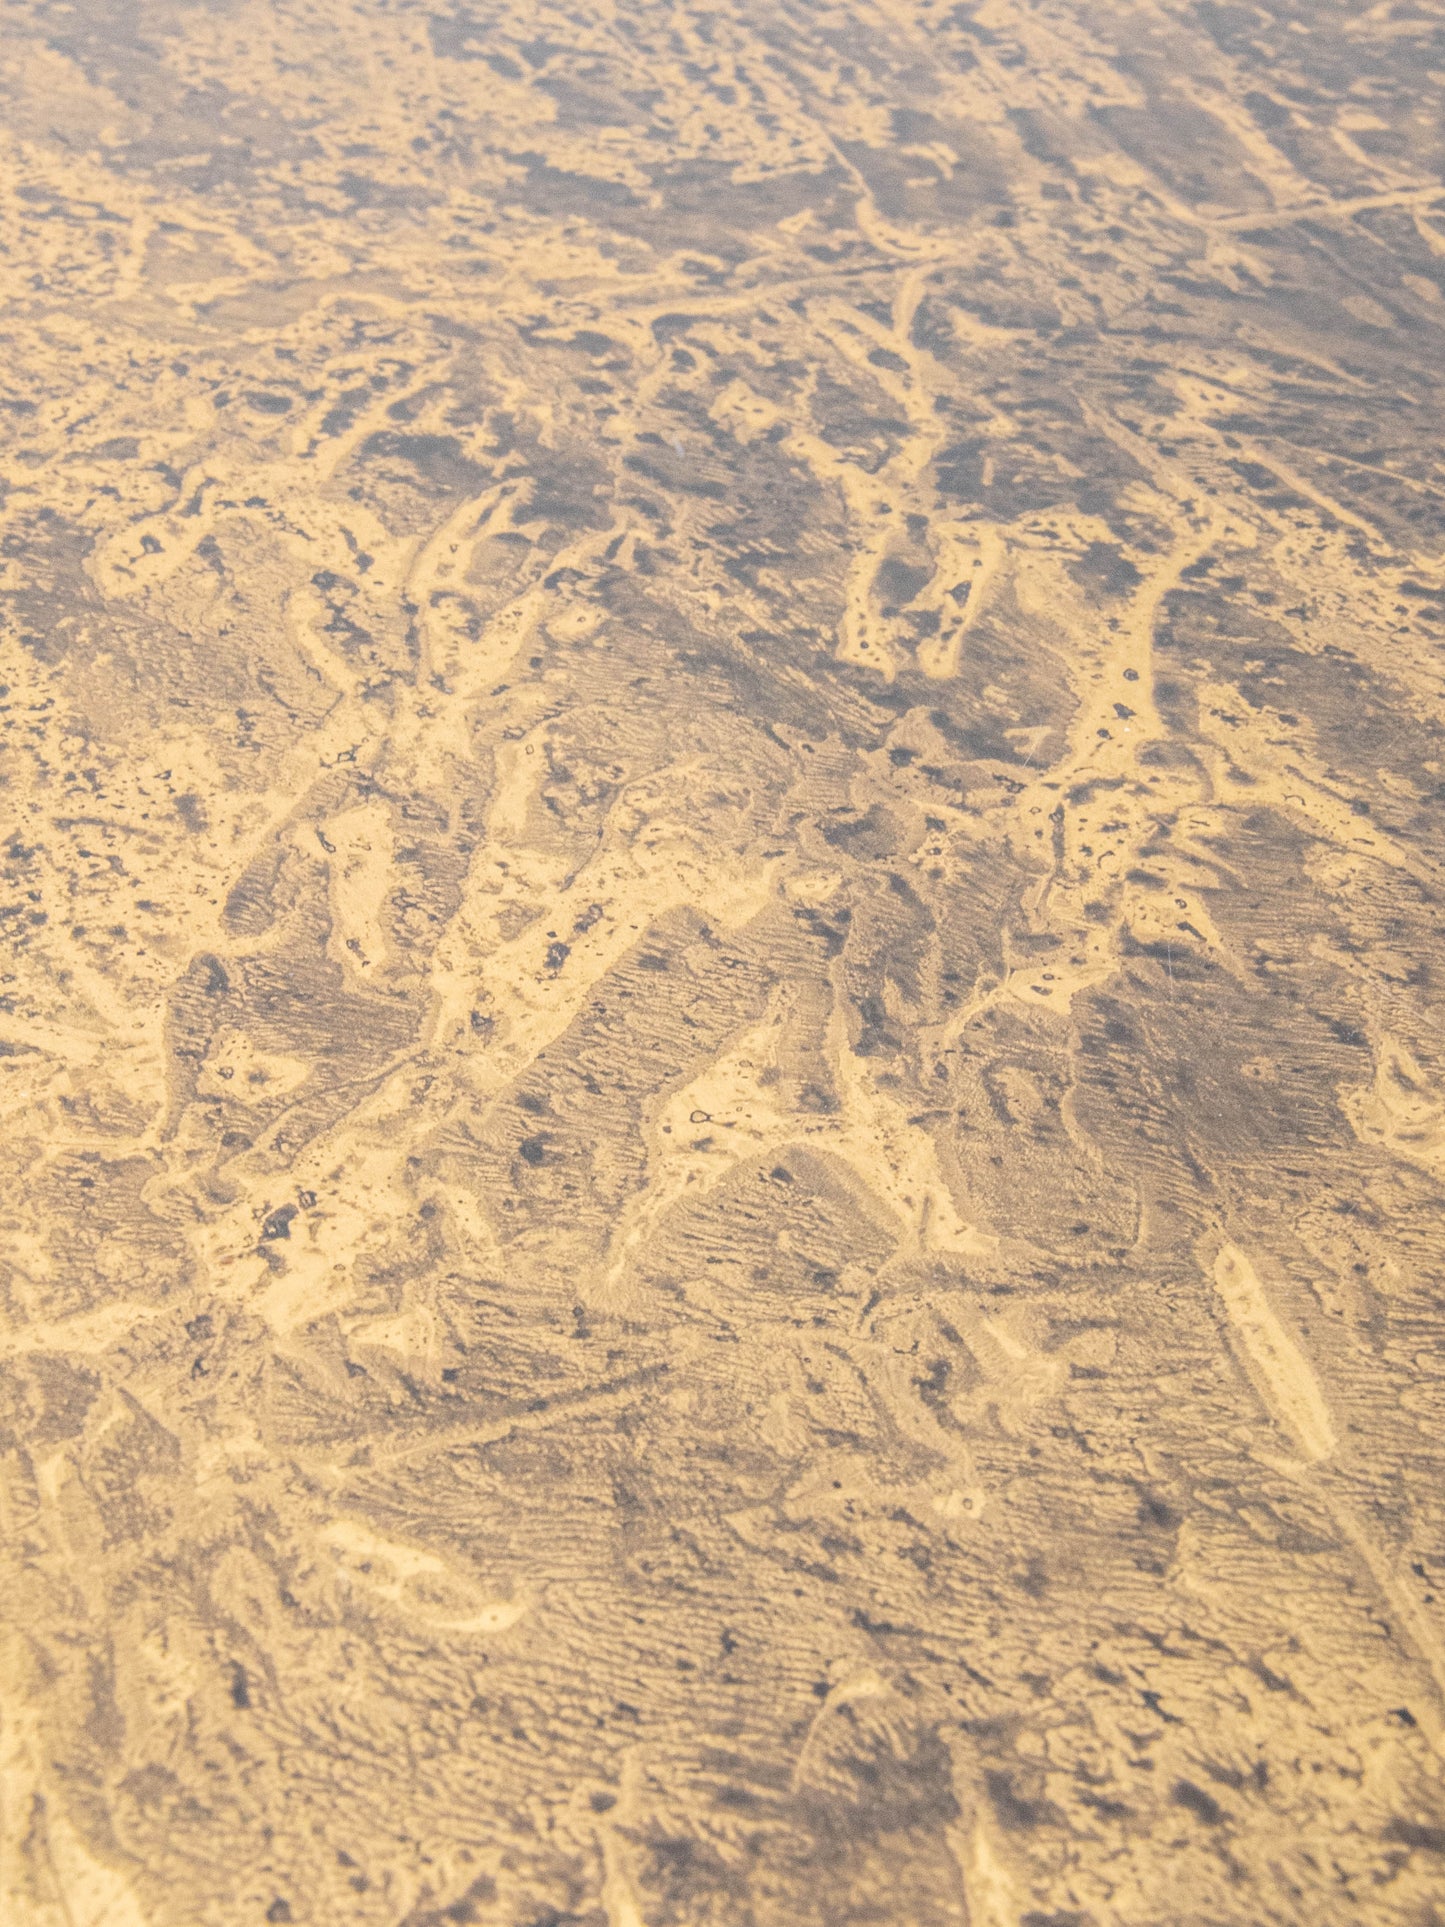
<point>721,1010</point>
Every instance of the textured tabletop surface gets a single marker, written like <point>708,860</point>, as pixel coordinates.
<point>722,1035</point>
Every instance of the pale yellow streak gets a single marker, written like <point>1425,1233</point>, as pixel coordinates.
<point>1283,1374</point>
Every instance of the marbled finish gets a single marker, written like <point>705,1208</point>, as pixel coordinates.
<point>721,1027</point>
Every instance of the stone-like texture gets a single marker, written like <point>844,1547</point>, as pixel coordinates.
<point>720,1028</point>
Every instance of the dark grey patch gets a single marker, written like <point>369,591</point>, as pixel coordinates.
<point>1195,1800</point>
<point>1105,568</point>
<point>277,1226</point>
<point>362,191</point>
<point>904,190</point>
<point>898,582</point>
<point>1419,1838</point>
<point>699,189</point>
<point>435,461</point>
<point>570,488</point>
<point>250,906</point>
<point>877,1037</point>
<point>878,832</point>
<point>61,1395</point>
<point>464,1911</point>
<point>551,190</point>
<point>582,105</point>
<point>458,37</point>
<point>1016,1813</point>
<point>54,593</point>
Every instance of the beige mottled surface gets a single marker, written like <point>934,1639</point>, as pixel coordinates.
<point>721,1014</point>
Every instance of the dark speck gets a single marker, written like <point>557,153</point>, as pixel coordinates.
<point>278,1224</point>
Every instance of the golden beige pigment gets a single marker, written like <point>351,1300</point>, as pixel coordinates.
<point>722,963</point>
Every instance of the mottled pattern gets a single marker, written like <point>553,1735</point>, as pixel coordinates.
<point>721,1009</point>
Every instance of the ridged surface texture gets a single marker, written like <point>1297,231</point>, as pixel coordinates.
<point>722,963</point>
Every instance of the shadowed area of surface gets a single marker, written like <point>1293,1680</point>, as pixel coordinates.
<point>721,1003</point>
